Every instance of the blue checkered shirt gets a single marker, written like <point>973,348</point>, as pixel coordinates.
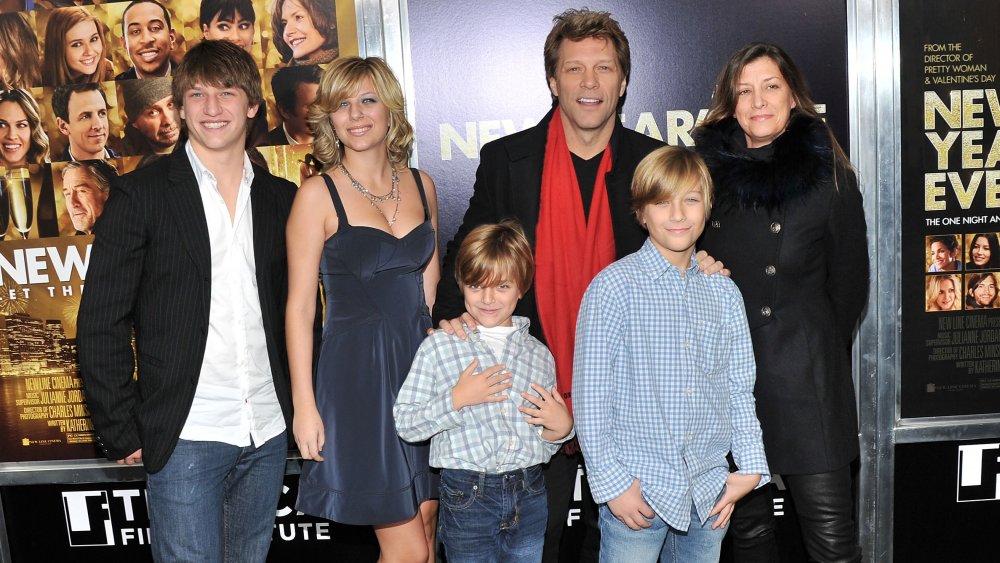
<point>663,379</point>
<point>489,437</point>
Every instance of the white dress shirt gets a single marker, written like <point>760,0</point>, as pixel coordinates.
<point>235,400</point>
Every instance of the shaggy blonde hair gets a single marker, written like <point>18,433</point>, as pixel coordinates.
<point>493,253</point>
<point>341,80</point>
<point>668,172</point>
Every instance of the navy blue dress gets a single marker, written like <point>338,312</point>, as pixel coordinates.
<point>376,318</point>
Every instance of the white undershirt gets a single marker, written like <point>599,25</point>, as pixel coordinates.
<point>235,399</point>
<point>496,339</point>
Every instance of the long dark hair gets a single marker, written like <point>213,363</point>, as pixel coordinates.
<point>994,262</point>
<point>725,94</point>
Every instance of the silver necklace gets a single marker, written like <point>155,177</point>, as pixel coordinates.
<point>373,199</point>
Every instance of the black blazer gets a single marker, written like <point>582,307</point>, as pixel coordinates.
<point>509,185</point>
<point>150,271</point>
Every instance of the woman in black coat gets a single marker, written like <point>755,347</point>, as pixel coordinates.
<point>788,222</point>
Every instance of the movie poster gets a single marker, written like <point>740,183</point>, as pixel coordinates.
<point>950,208</point>
<point>44,415</point>
<point>85,96</point>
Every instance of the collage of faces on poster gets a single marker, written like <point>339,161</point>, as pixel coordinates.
<point>85,94</point>
<point>962,271</point>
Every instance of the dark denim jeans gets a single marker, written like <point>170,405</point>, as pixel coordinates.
<point>493,518</point>
<point>215,502</point>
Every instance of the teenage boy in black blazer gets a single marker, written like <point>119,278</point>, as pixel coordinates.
<point>189,257</point>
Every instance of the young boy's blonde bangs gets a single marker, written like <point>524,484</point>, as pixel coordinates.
<point>494,253</point>
<point>669,172</point>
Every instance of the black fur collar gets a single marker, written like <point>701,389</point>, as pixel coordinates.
<point>802,159</point>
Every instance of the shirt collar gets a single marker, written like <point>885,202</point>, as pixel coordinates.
<point>657,265</point>
<point>520,323</point>
<point>205,175</point>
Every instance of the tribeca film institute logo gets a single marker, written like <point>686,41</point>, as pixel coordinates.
<point>978,472</point>
<point>88,518</point>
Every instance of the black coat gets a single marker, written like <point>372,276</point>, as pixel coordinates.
<point>150,269</point>
<point>795,242</point>
<point>509,186</point>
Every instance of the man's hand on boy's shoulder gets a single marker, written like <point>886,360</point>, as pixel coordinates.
<point>631,509</point>
<point>710,265</point>
<point>550,412</point>
<point>459,327</point>
<point>487,386</point>
<point>737,487</point>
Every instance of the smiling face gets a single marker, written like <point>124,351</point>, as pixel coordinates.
<point>15,135</point>
<point>236,29</point>
<point>216,117</point>
<point>362,120</point>
<point>675,223</point>
<point>981,252</point>
<point>295,121</point>
<point>298,30</point>
<point>159,125</point>
<point>87,127</point>
<point>942,257</point>
<point>148,40</point>
<point>764,102</point>
<point>84,49</point>
<point>588,83</point>
<point>493,305</point>
<point>984,292</point>
<point>947,293</point>
<point>84,199</point>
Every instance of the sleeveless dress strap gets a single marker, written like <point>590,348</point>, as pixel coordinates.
<point>423,196</point>
<point>335,196</point>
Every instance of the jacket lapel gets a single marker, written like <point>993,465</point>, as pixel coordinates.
<point>265,235</point>
<point>527,158</point>
<point>185,203</point>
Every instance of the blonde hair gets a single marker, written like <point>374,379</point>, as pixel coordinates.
<point>668,172</point>
<point>341,80</point>
<point>493,253</point>
<point>934,287</point>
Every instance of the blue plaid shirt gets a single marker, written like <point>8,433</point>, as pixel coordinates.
<point>489,437</point>
<point>663,379</point>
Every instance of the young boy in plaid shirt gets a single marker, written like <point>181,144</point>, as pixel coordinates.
<point>491,428</point>
<point>663,378</point>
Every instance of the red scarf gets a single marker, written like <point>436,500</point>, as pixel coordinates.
<point>569,250</point>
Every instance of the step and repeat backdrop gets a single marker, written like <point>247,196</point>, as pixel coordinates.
<point>91,82</point>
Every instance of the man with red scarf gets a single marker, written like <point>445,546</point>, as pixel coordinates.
<point>567,181</point>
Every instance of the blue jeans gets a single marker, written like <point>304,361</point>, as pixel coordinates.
<point>492,518</point>
<point>214,502</point>
<point>621,544</point>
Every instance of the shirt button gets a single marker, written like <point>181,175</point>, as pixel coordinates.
<point>716,224</point>
<point>689,391</point>
<point>765,311</point>
<point>775,227</point>
<point>770,270</point>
